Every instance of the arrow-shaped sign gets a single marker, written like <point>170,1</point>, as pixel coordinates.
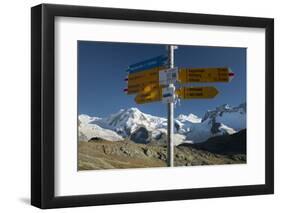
<point>148,96</point>
<point>197,92</point>
<point>204,75</point>
<point>150,76</point>
<point>141,87</point>
<point>148,64</point>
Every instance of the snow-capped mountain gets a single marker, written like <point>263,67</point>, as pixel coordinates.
<point>222,120</point>
<point>234,117</point>
<point>144,128</point>
<point>191,118</point>
<point>85,119</point>
<point>88,131</point>
<point>125,122</point>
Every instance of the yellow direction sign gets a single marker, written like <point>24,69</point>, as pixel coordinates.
<point>216,74</point>
<point>142,87</point>
<point>137,81</point>
<point>148,97</point>
<point>197,92</point>
<point>140,81</point>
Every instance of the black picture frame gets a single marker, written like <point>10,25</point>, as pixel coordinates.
<point>43,102</point>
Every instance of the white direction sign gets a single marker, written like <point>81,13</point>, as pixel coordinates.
<point>168,76</point>
<point>168,94</point>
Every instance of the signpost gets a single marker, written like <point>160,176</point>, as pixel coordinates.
<point>204,75</point>
<point>168,95</point>
<point>148,64</point>
<point>170,141</point>
<point>137,81</point>
<point>149,96</point>
<point>145,74</point>
<point>197,92</point>
<point>153,80</point>
<point>141,87</point>
<point>168,76</point>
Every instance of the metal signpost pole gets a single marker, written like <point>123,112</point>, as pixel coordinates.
<point>170,142</point>
<point>150,82</point>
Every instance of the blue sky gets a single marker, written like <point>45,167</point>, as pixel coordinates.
<point>101,73</point>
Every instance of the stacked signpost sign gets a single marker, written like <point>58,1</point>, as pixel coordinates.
<point>153,80</point>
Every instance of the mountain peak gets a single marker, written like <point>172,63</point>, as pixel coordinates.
<point>191,118</point>
<point>133,110</point>
<point>231,116</point>
<point>84,119</point>
<point>131,122</point>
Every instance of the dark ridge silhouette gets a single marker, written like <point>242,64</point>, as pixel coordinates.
<point>224,144</point>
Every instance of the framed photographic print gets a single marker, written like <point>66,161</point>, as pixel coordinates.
<point>139,106</point>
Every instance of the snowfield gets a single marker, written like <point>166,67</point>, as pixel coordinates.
<point>188,128</point>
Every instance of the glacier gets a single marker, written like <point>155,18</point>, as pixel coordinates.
<point>131,123</point>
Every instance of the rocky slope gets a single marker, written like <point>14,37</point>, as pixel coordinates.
<point>224,145</point>
<point>102,154</point>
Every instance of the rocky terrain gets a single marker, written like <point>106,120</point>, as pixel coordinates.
<point>103,154</point>
<point>130,138</point>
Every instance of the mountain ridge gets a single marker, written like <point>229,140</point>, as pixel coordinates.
<point>145,128</point>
